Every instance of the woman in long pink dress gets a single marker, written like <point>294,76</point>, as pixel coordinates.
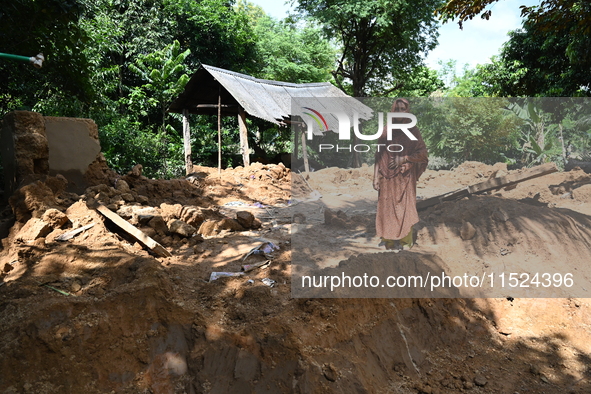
<point>395,178</point>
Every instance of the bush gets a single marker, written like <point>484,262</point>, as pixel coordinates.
<point>125,144</point>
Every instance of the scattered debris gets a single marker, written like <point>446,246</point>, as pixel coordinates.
<point>72,233</point>
<point>269,282</point>
<point>236,204</point>
<point>59,291</point>
<point>250,267</point>
<point>217,275</point>
<point>181,228</point>
<point>266,248</point>
<point>134,232</point>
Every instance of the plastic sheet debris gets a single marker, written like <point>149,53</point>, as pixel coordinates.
<point>266,248</point>
<point>268,282</point>
<point>258,205</point>
<point>235,204</point>
<point>314,196</point>
<point>250,267</point>
<point>217,275</point>
<point>59,291</point>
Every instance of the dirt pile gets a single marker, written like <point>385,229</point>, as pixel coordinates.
<point>100,313</point>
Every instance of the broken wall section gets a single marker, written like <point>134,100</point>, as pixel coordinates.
<point>73,147</point>
<point>33,145</point>
<point>25,152</point>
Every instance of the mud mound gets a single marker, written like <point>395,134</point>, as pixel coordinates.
<point>100,313</point>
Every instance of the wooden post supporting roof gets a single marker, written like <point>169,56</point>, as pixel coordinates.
<point>305,152</point>
<point>219,131</point>
<point>243,137</point>
<point>187,142</point>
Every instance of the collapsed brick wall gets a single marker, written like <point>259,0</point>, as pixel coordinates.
<point>25,151</point>
<point>33,146</point>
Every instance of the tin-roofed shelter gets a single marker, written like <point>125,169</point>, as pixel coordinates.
<point>215,91</point>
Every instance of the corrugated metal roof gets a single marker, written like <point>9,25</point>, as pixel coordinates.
<point>264,99</point>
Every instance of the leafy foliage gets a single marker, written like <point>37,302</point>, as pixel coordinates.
<point>51,27</point>
<point>380,42</point>
<point>460,129</point>
<point>549,56</point>
<point>286,52</point>
<point>165,75</point>
<point>536,63</point>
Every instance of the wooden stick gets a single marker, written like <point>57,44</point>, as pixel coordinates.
<point>491,184</point>
<point>134,232</point>
<point>73,233</point>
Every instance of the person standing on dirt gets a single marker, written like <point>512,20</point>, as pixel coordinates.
<point>395,178</point>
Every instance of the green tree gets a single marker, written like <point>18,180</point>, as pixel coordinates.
<point>380,42</point>
<point>292,53</point>
<point>467,84</point>
<point>557,15</point>
<point>165,76</point>
<point>550,56</point>
<point>536,62</point>
<point>421,83</point>
<point>138,67</point>
<point>459,129</point>
<point>51,27</point>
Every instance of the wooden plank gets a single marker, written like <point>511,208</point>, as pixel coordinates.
<point>134,232</point>
<point>244,148</point>
<point>73,233</point>
<point>509,180</point>
<point>187,142</point>
<point>491,184</point>
<point>455,195</point>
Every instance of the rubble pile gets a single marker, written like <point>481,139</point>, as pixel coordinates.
<point>89,306</point>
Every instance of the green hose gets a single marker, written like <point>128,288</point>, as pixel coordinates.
<point>37,61</point>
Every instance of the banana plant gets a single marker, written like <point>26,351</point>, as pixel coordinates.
<point>540,153</point>
<point>165,75</point>
<point>537,144</point>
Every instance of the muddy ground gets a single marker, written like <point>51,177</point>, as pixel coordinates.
<point>101,313</point>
